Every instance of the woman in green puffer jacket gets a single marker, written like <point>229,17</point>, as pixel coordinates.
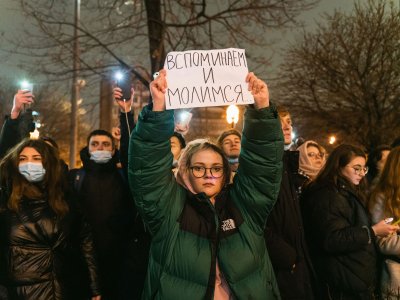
<point>207,235</point>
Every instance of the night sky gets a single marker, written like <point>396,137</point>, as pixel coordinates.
<point>10,19</point>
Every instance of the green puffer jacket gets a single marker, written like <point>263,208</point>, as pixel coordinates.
<point>189,233</point>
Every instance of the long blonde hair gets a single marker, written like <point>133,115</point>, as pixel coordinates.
<point>388,185</point>
<point>54,183</point>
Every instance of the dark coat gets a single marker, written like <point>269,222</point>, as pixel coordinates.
<point>284,236</point>
<point>120,239</point>
<point>40,253</point>
<point>340,238</point>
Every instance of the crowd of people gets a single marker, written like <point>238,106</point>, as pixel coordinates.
<point>149,215</point>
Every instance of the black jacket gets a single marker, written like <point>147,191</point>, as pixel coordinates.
<point>40,253</point>
<point>284,236</point>
<point>341,241</point>
<point>120,239</point>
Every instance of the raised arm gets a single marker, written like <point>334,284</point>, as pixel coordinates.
<point>151,180</point>
<point>256,184</point>
<point>126,123</point>
<point>10,133</point>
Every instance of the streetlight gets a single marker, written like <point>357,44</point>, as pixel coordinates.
<point>232,115</point>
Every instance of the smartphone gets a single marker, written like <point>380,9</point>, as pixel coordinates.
<point>184,118</point>
<point>388,220</point>
<point>26,86</point>
<point>126,86</point>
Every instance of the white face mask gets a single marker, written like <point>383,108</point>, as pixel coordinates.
<point>33,172</point>
<point>101,157</point>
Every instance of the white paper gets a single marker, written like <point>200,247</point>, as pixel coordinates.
<point>202,78</point>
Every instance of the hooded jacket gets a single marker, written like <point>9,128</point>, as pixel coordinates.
<point>190,234</point>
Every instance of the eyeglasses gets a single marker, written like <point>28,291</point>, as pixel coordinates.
<point>315,155</point>
<point>358,169</point>
<point>199,171</point>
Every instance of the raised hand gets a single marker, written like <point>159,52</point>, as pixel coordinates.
<point>259,90</point>
<point>21,98</point>
<point>125,106</point>
<point>158,87</point>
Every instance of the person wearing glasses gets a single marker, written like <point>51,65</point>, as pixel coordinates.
<point>384,203</point>
<point>311,159</point>
<point>207,235</point>
<point>339,232</point>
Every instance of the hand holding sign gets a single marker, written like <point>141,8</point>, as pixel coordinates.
<point>259,90</point>
<point>158,88</point>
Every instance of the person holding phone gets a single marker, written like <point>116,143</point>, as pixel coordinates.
<point>13,131</point>
<point>207,235</point>
<point>339,233</point>
<point>385,203</point>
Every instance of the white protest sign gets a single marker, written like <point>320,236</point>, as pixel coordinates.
<point>201,78</point>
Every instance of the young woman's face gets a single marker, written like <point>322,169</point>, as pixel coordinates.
<point>315,156</point>
<point>29,154</point>
<point>355,170</point>
<point>206,173</point>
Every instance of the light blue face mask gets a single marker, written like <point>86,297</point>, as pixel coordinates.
<point>101,157</point>
<point>33,172</point>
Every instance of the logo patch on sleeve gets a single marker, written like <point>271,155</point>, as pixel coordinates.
<point>228,224</point>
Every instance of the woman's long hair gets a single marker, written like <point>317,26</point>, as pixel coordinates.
<point>337,160</point>
<point>388,185</point>
<point>51,188</point>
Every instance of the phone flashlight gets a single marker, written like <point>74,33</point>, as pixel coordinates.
<point>118,76</point>
<point>125,84</point>
<point>26,86</point>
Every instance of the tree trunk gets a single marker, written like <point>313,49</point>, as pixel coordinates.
<point>155,27</point>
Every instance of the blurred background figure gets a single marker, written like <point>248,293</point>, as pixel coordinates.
<point>229,141</point>
<point>284,232</point>
<point>385,203</point>
<point>311,159</point>
<point>178,143</point>
<point>375,163</point>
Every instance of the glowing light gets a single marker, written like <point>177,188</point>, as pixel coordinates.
<point>183,116</point>
<point>293,135</point>
<point>332,139</point>
<point>118,75</point>
<point>26,85</point>
<point>232,114</point>
<point>35,134</point>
